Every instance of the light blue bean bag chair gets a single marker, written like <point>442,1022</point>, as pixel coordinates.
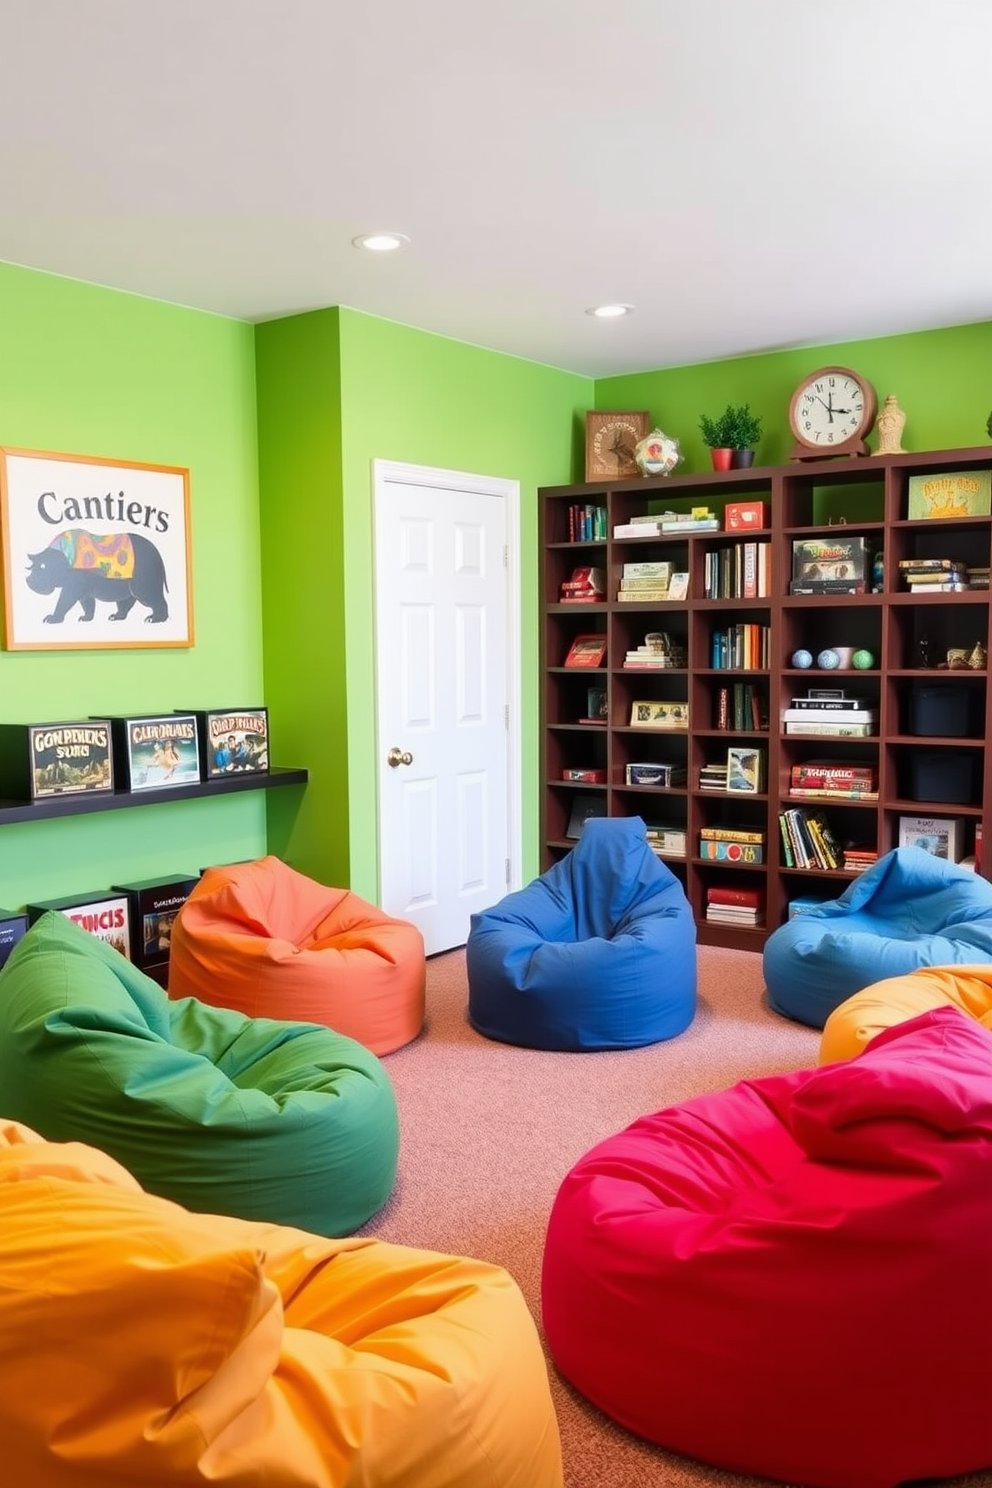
<point>597,953</point>
<point>909,910</point>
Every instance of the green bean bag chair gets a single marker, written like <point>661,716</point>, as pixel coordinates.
<point>252,1117</point>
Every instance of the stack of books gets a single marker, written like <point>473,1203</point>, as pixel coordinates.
<point>586,585</point>
<point>658,652</point>
<point>654,524</point>
<point>733,906</point>
<point>848,780</point>
<point>807,840</point>
<point>941,575</point>
<point>831,712</point>
<point>713,777</point>
<point>731,845</point>
<point>644,582</point>
<point>857,859</point>
<point>667,840</point>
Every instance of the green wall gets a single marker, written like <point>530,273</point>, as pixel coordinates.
<point>402,395</point>
<point>85,370</point>
<point>281,489</point>
<point>942,379</point>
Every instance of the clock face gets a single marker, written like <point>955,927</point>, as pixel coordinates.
<point>831,407</point>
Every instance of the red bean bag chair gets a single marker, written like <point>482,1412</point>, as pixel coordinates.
<point>268,941</point>
<point>791,1278</point>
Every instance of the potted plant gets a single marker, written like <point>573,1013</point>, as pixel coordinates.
<point>718,435</point>
<point>745,431</point>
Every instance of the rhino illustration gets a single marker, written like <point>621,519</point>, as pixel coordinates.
<point>120,570</point>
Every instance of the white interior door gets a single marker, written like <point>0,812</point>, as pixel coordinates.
<point>446,685</point>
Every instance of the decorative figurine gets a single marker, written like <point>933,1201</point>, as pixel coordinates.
<point>657,454</point>
<point>923,646</point>
<point>863,660</point>
<point>890,424</point>
<point>878,573</point>
<point>828,660</point>
<point>802,659</point>
<point>978,659</point>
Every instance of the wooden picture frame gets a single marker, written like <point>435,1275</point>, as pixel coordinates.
<point>96,553</point>
<point>611,439</point>
<point>586,651</point>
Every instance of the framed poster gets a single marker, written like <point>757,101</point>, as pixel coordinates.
<point>96,553</point>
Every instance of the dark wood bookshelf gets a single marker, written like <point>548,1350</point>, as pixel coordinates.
<point>84,805</point>
<point>907,634</point>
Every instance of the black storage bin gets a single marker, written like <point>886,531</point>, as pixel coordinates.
<point>941,708</point>
<point>942,775</point>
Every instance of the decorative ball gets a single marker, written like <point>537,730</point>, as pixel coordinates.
<point>863,660</point>
<point>828,660</point>
<point>657,454</point>
<point>802,658</point>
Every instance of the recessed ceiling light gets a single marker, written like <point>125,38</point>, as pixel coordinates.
<point>609,312</point>
<point>381,242</point>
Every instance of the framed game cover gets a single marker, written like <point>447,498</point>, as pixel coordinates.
<point>234,741</point>
<point>156,751</point>
<point>96,553</point>
<point>103,914</point>
<point>41,760</point>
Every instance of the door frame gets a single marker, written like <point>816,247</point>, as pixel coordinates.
<point>387,472</point>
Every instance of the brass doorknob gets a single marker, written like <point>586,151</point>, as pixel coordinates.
<point>399,757</point>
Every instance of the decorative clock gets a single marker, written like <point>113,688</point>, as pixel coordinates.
<point>832,412</point>
<point>611,440</point>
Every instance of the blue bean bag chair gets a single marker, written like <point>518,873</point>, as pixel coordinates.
<point>597,953</point>
<point>909,910</point>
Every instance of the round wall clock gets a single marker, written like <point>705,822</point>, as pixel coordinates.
<point>831,413</point>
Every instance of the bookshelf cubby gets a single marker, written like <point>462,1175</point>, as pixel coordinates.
<point>735,694</point>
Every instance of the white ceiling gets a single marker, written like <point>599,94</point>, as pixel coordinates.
<point>749,176</point>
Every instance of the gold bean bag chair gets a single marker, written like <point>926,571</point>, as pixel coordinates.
<point>143,1344</point>
<point>271,943</point>
<point>855,1022</point>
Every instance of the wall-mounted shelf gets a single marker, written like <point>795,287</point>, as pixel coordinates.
<point>81,805</point>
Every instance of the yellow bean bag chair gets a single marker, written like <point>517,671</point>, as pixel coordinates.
<point>143,1344</point>
<point>270,942</point>
<point>855,1022</point>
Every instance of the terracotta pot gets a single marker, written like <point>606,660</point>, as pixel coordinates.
<point>721,458</point>
<point>741,459</point>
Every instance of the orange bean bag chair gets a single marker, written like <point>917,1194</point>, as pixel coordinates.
<point>144,1344</point>
<point>852,1025</point>
<point>263,939</point>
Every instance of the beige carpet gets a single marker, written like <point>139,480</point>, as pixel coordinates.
<point>488,1132</point>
